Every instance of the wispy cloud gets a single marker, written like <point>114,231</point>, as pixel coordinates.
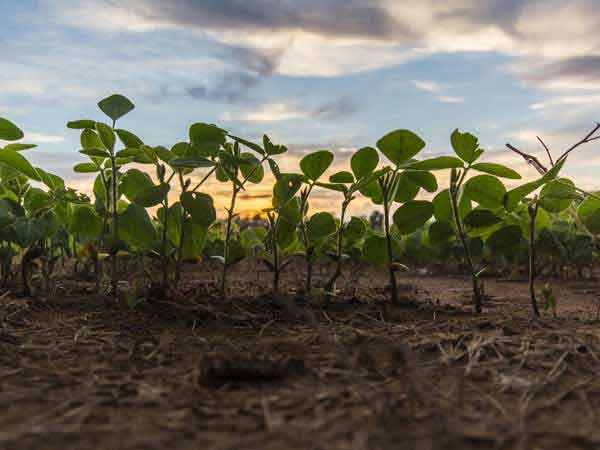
<point>428,86</point>
<point>43,138</point>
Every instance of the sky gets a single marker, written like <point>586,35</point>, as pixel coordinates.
<point>312,74</point>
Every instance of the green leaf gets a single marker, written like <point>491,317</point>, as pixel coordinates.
<point>135,227</point>
<point>440,232</point>
<point>439,163</point>
<point>116,106</point>
<point>466,146</point>
<point>129,153</point>
<point>19,163</point>
<point>285,233</point>
<point>355,229</point>
<point>400,146</point>
<point>180,149</point>
<point>86,168</point>
<point>514,196</point>
<point>253,172</point>
<point>291,211</point>
<point>285,189</point>
<point>589,213</point>
<point>194,239</point>
<point>443,207</point>
<point>506,239</point>
<point>487,190</point>
<point>163,154</point>
<point>342,177</point>
<point>481,218</point>
<point>81,124</point>
<point>338,187</point>
<point>426,180</point>
<point>557,195</point>
<point>151,196</point>
<point>412,215</point>
<point>320,226</point>
<point>106,134</point>
<point>97,152</point>
<point>251,145</point>
<point>49,179</point>
<point>133,182</point>
<point>19,147</point>
<point>407,189</point>
<point>272,149</point>
<point>206,138</point>
<point>191,162</point>
<point>315,164</point>
<point>375,251</point>
<point>200,207</point>
<point>9,131</point>
<point>90,139</point>
<point>85,222</point>
<point>129,139</point>
<point>364,162</point>
<point>497,169</point>
<point>36,200</point>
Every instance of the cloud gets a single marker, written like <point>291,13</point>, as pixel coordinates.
<point>43,138</point>
<point>337,109</point>
<point>326,17</point>
<point>434,87</point>
<point>281,111</point>
<point>235,85</point>
<point>450,99</point>
<point>428,86</point>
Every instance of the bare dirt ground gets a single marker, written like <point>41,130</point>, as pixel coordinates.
<point>79,372</point>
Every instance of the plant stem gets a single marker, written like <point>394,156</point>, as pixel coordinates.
<point>181,234</point>
<point>115,227</point>
<point>330,287</point>
<point>276,270</point>
<point>463,238</point>
<point>230,214</point>
<point>532,217</point>
<point>303,231</point>
<point>390,250</point>
<point>165,279</point>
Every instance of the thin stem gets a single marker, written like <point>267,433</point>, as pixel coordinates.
<point>230,214</point>
<point>206,177</point>
<point>547,150</point>
<point>390,249</point>
<point>165,280</point>
<point>330,287</point>
<point>303,232</point>
<point>181,233</point>
<point>463,238</point>
<point>532,272</point>
<point>585,140</point>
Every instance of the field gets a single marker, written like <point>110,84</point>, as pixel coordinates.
<point>461,314</point>
<point>78,371</point>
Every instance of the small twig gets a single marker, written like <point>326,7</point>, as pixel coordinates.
<point>585,140</point>
<point>530,159</point>
<point>547,150</point>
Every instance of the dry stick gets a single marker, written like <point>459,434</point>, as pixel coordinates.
<point>547,150</point>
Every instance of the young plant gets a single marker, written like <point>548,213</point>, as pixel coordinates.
<point>313,166</point>
<point>486,190</point>
<point>556,195</point>
<point>98,142</point>
<point>401,183</point>
<point>241,168</point>
<point>363,165</point>
<point>282,219</point>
